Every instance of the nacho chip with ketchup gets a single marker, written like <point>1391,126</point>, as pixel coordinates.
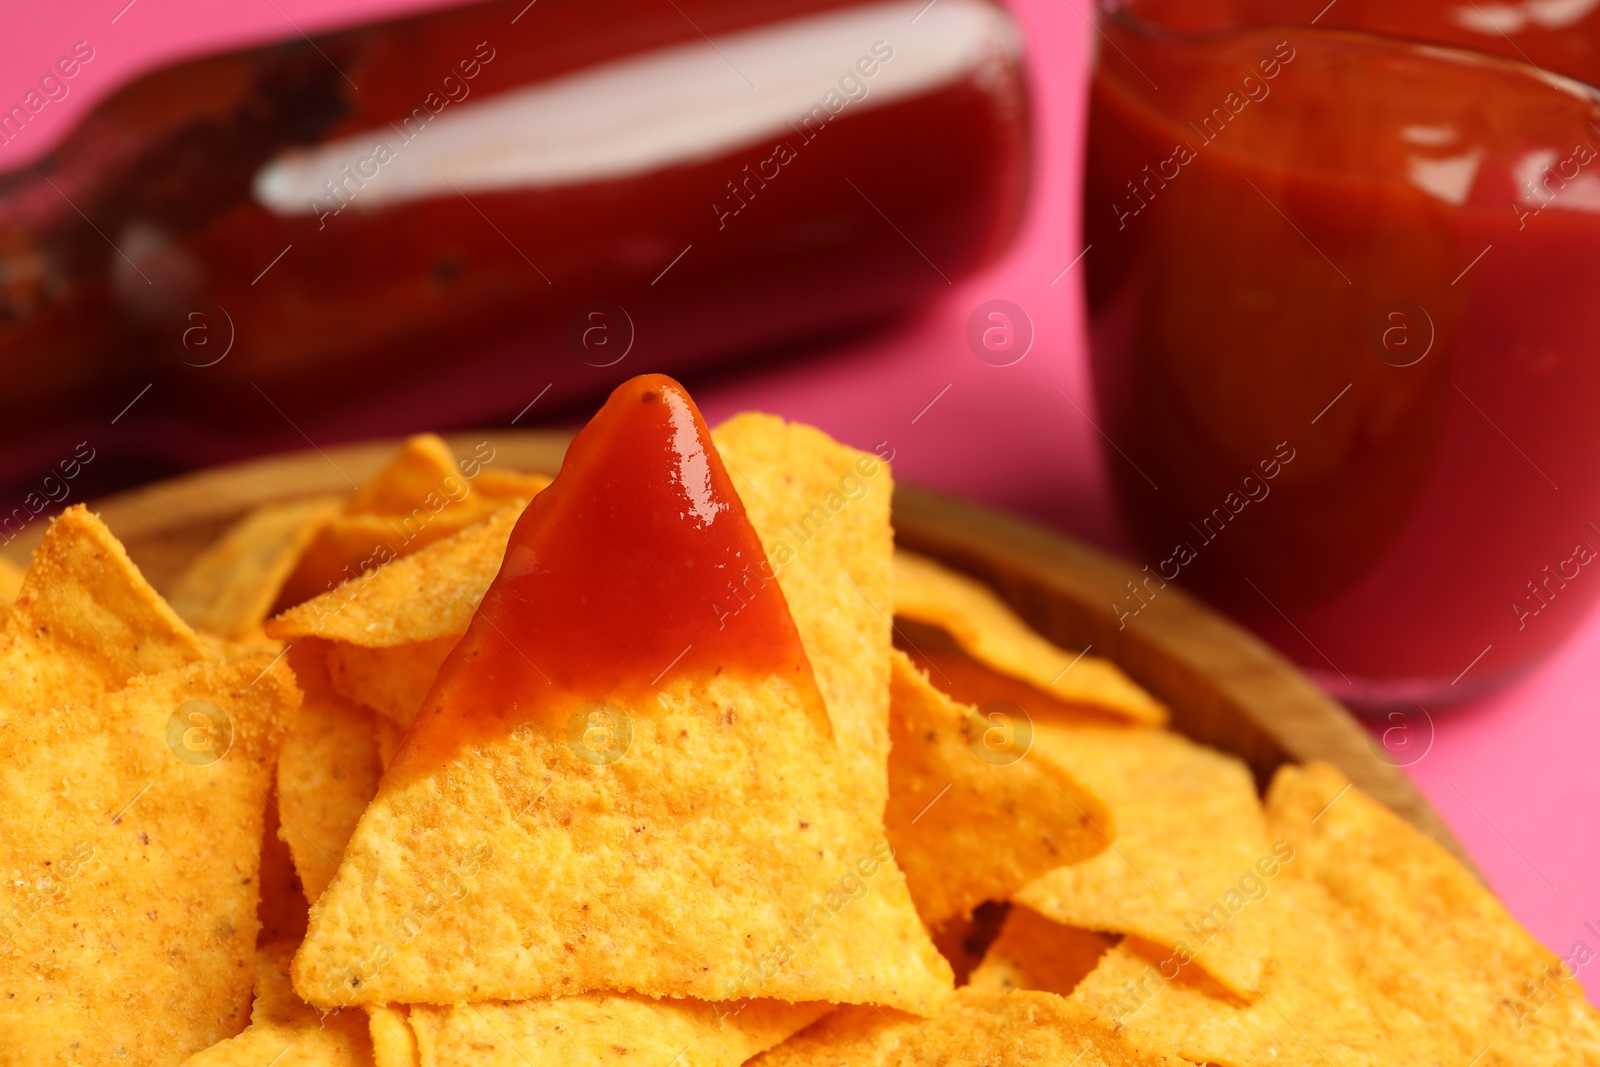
<point>971,817</point>
<point>986,629</point>
<point>622,779</point>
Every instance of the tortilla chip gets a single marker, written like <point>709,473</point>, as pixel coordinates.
<point>424,465</point>
<point>427,596</point>
<point>618,847</point>
<point>969,823</point>
<point>388,735</point>
<point>284,1031</point>
<point>975,1027</point>
<point>1189,830</point>
<point>128,932</point>
<point>283,908</point>
<point>392,681</point>
<point>419,499</point>
<point>969,682</point>
<point>327,774</point>
<point>1033,952</point>
<point>393,1042</point>
<point>509,485</point>
<point>988,630</point>
<point>822,511</point>
<point>604,1029</point>
<point>85,622</point>
<point>794,895</point>
<point>10,579</point>
<point>230,588</point>
<point>1386,951</point>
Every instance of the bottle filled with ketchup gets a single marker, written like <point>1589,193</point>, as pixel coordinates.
<point>446,218</point>
<point>1341,293</point>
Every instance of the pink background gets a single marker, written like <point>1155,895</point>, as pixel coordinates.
<point>1514,775</point>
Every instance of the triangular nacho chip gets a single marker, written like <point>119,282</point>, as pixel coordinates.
<point>611,1029</point>
<point>428,595</point>
<point>85,622</point>
<point>976,1027</point>
<point>230,588</point>
<point>822,511</point>
<point>1033,952</point>
<point>392,681</point>
<point>10,585</point>
<point>285,1032</point>
<point>1190,835</point>
<point>129,933</point>
<point>971,817</point>
<point>424,465</point>
<point>988,630</point>
<point>635,767</point>
<point>420,498</point>
<point>328,772</point>
<point>1385,950</point>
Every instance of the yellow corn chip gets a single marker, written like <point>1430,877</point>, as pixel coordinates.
<point>988,630</point>
<point>284,1032</point>
<point>1183,865</point>
<point>327,773</point>
<point>509,485</point>
<point>10,585</point>
<point>424,465</point>
<point>1033,952</point>
<point>418,500</point>
<point>393,1043</point>
<point>791,891</point>
<point>283,908</point>
<point>85,622</point>
<point>1385,951</point>
<point>388,736</point>
<point>392,681</point>
<point>426,596</point>
<point>794,895</point>
<point>604,1029</point>
<point>970,682</point>
<point>132,838</point>
<point>970,818</point>
<point>976,1028</point>
<point>230,588</point>
<point>822,512</point>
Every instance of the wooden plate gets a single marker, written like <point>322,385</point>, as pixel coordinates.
<point>1225,687</point>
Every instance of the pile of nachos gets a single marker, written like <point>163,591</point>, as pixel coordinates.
<point>674,760</point>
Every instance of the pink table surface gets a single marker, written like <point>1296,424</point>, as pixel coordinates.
<point>1514,774</point>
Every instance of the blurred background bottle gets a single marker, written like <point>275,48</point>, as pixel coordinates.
<point>442,219</point>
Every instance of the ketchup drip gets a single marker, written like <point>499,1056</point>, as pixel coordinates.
<point>636,567</point>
